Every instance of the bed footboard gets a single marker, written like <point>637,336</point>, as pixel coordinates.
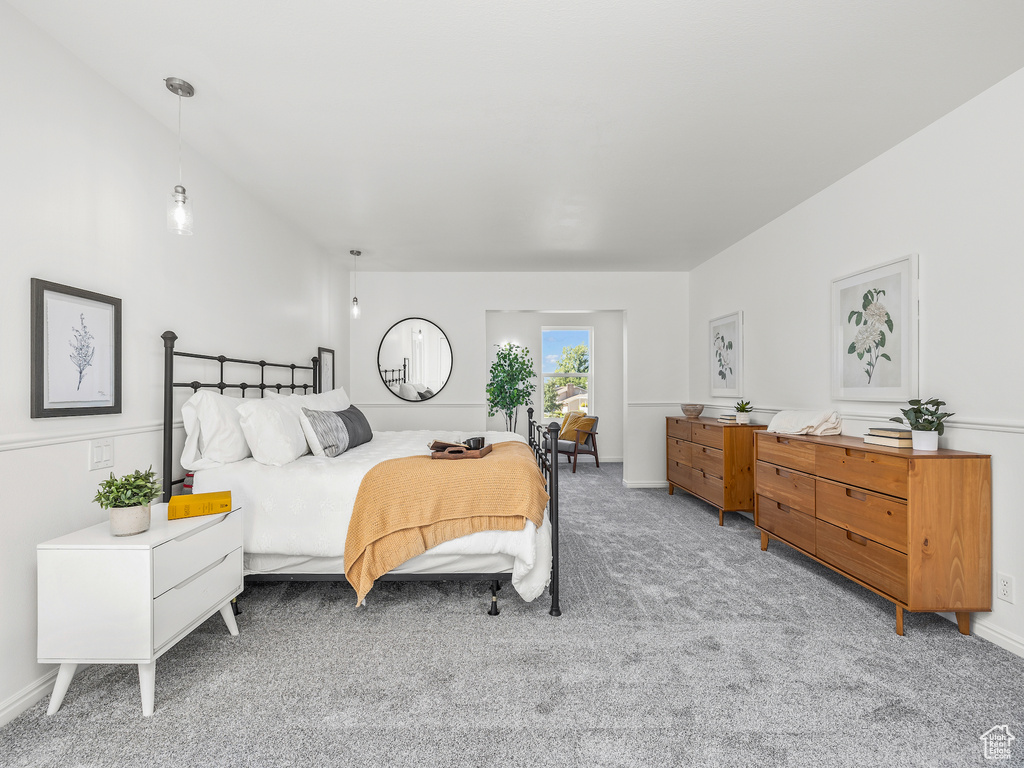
<point>541,440</point>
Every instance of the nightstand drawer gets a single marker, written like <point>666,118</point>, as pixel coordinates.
<point>784,451</point>
<point>707,434</point>
<point>865,469</point>
<point>177,559</point>
<point>786,523</point>
<point>178,607</point>
<point>679,428</point>
<point>679,451</point>
<point>708,460</point>
<point>883,568</point>
<point>793,489</point>
<point>881,518</point>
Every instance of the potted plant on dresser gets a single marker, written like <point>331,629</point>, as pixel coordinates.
<point>743,411</point>
<point>924,417</point>
<point>128,498</point>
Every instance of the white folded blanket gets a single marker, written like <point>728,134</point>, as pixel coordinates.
<point>807,423</point>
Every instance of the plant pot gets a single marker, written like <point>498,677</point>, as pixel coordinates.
<point>925,440</point>
<point>128,521</point>
<point>742,418</point>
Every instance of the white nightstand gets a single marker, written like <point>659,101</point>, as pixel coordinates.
<point>105,599</point>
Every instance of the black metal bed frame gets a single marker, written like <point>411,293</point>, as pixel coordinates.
<point>539,438</point>
<point>395,375</point>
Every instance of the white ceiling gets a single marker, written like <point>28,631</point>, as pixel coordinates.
<point>446,135</point>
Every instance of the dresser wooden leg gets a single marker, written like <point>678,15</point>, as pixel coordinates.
<point>229,618</point>
<point>899,620</point>
<point>147,686</point>
<point>963,622</point>
<point>671,489</point>
<point>721,517</point>
<point>64,675</point>
<point>764,541</point>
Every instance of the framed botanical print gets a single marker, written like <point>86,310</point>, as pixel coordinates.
<point>874,333</point>
<point>726,350</point>
<point>326,383</point>
<point>76,351</point>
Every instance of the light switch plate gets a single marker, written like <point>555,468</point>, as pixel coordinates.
<point>101,453</point>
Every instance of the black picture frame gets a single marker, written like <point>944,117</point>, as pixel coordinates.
<point>53,303</point>
<point>325,382</point>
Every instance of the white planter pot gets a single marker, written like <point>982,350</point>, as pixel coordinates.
<point>742,418</point>
<point>924,440</point>
<point>128,521</point>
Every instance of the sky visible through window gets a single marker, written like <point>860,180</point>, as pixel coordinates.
<point>555,341</point>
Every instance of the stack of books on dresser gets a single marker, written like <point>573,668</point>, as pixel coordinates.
<point>894,437</point>
<point>727,418</point>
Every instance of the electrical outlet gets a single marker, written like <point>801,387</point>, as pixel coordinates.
<point>101,454</point>
<point>1004,587</point>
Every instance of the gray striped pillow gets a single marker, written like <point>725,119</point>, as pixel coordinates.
<point>329,431</point>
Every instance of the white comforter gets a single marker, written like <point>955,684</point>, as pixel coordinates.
<point>304,507</point>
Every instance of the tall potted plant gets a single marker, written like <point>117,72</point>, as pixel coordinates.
<point>511,384</point>
<point>128,498</point>
<point>925,419</point>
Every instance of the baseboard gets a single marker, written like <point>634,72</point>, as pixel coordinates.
<point>645,483</point>
<point>26,697</point>
<point>995,635</point>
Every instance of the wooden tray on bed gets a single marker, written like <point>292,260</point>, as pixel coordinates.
<point>456,452</point>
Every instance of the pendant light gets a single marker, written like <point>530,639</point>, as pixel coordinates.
<point>355,299</point>
<point>179,207</point>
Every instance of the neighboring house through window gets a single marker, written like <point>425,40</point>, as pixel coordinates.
<point>568,370</point>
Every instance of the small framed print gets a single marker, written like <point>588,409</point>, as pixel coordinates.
<point>76,351</point>
<point>874,333</point>
<point>326,383</point>
<point>726,355</point>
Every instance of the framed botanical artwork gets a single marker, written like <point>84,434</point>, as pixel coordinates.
<point>726,345</point>
<point>76,351</point>
<point>874,333</point>
<point>326,383</point>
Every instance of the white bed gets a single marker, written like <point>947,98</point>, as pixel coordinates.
<point>296,516</point>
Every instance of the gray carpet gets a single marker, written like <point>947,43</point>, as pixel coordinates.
<point>681,643</point>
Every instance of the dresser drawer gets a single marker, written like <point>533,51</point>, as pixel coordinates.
<point>786,523</point>
<point>784,451</point>
<point>879,472</point>
<point>881,518</point>
<point>679,475</point>
<point>708,460</point>
<point>707,434</point>
<point>709,488</point>
<point>177,559</point>
<point>678,428</point>
<point>883,568</point>
<point>791,488</point>
<point>678,451</point>
<point>177,608</point>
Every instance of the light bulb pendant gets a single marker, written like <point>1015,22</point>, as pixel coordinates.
<point>355,308</point>
<point>179,212</point>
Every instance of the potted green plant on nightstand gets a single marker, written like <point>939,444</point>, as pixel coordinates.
<point>924,418</point>
<point>743,411</point>
<point>128,498</point>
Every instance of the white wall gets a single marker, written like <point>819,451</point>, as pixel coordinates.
<point>652,306</point>
<point>86,174</point>
<point>954,194</point>
<point>605,396</point>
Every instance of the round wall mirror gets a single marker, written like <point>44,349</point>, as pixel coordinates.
<point>414,359</point>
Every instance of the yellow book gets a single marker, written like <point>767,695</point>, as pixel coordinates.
<point>197,504</point>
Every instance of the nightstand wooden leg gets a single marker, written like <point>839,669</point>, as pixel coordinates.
<point>899,620</point>
<point>963,622</point>
<point>721,517</point>
<point>764,541</point>
<point>147,686</point>
<point>64,676</point>
<point>229,618</point>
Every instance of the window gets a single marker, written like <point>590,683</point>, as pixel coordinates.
<point>567,370</point>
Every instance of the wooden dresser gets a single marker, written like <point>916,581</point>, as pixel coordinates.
<point>912,526</point>
<point>713,461</point>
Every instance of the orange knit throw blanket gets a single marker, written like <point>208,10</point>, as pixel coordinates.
<point>406,506</point>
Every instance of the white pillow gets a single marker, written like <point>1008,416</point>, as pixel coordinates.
<point>272,427</point>
<point>408,392</point>
<point>213,434</point>
<point>420,387</point>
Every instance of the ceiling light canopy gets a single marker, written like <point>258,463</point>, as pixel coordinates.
<point>179,207</point>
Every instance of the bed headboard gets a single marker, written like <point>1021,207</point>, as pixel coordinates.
<point>170,385</point>
<point>396,375</point>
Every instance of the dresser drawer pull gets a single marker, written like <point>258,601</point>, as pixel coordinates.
<point>207,527</point>
<point>856,539</point>
<point>783,508</point>
<point>781,441</point>
<point>856,495</point>
<point>205,570</point>
<point>855,454</point>
<point>782,473</point>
